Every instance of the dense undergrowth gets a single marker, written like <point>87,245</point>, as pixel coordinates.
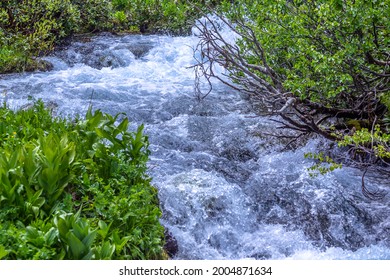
<point>75,189</point>
<point>29,29</point>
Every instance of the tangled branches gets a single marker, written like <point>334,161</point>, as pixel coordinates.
<point>307,82</point>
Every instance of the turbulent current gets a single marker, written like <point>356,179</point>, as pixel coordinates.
<point>227,190</point>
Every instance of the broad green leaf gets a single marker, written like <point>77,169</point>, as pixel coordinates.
<point>3,252</point>
<point>77,248</point>
<point>104,229</point>
<point>51,236</point>
<point>31,233</point>
<point>89,239</point>
<point>106,251</point>
<point>123,125</point>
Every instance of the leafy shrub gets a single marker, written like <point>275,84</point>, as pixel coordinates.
<point>30,28</point>
<point>75,189</point>
<point>321,50</point>
<point>146,15</point>
<point>177,16</point>
<point>95,15</point>
<point>376,141</point>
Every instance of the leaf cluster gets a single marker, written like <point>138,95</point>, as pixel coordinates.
<point>75,189</point>
<point>323,165</point>
<point>30,28</point>
<point>173,16</point>
<point>321,50</point>
<point>376,142</point>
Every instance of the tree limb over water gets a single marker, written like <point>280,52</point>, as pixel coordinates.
<point>312,66</point>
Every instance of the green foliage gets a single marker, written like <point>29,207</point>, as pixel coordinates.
<point>318,48</point>
<point>77,234</point>
<point>120,18</point>
<point>324,164</point>
<point>3,252</point>
<point>75,189</point>
<point>37,241</point>
<point>30,28</point>
<point>160,15</point>
<point>95,15</point>
<point>375,140</point>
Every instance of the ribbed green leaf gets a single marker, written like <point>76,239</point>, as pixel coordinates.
<point>77,248</point>
<point>123,125</point>
<point>89,239</point>
<point>106,251</point>
<point>62,226</point>
<point>51,236</point>
<point>104,229</point>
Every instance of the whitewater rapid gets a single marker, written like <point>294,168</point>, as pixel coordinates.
<point>227,191</point>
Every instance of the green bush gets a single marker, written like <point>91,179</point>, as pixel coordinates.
<point>322,51</point>
<point>30,28</point>
<point>95,15</point>
<point>75,189</point>
<point>157,15</point>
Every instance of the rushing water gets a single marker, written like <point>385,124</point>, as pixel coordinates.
<point>227,191</point>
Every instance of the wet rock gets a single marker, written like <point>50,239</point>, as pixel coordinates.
<point>237,153</point>
<point>214,207</point>
<point>384,235</point>
<point>43,65</point>
<point>223,240</point>
<point>171,247</point>
<point>140,49</point>
<point>263,255</point>
<point>232,171</point>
